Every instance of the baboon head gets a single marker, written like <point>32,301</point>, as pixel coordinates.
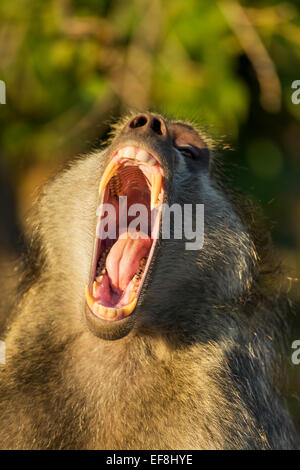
<point>126,255</point>
<point>143,278</point>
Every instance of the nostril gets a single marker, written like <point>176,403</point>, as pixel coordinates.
<point>147,123</point>
<point>156,126</point>
<point>138,121</point>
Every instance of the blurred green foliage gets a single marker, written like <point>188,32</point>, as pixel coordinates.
<point>70,65</point>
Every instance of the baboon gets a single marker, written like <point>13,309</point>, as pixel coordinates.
<point>140,343</point>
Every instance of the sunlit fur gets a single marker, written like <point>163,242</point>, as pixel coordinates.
<point>200,368</point>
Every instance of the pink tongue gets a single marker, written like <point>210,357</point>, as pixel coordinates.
<point>124,258</point>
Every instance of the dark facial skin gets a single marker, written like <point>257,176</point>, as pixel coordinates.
<point>192,367</point>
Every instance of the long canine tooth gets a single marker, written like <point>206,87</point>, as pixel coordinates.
<point>108,173</point>
<point>89,298</point>
<point>155,189</point>
<point>129,308</point>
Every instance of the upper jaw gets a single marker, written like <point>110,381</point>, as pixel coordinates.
<point>151,146</point>
<point>137,154</point>
<point>133,154</point>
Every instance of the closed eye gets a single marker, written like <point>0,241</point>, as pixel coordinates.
<point>189,152</point>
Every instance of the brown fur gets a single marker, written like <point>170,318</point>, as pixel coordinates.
<point>197,370</point>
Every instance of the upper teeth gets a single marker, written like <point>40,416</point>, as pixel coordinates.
<point>141,155</point>
<point>138,154</point>
<point>127,152</point>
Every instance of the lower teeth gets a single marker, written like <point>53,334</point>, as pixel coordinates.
<point>138,274</point>
<point>101,263</point>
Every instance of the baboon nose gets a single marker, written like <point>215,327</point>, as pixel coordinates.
<point>147,123</point>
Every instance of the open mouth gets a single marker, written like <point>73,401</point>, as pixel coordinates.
<point>131,195</point>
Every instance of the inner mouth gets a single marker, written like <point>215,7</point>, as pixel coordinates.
<point>131,195</point>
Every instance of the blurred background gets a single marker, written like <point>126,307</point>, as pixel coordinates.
<point>72,66</point>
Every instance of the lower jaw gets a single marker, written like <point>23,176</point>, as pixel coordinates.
<point>120,312</point>
<point>109,330</point>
